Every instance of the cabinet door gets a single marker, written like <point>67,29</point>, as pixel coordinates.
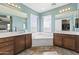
<point>58,39</point>
<point>77,44</point>
<point>6,46</point>
<point>69,42</point>
<point>28,40</point>
<point>6,50</point>
<point>19,43</point>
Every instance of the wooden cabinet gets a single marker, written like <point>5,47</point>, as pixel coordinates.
<point>15,44</point>
<point>58,39</point>
<point>19,43</point>
<point>69,41</point>
<point>28,40</point>
<point>6,46</point>
<point>77,44</point>
<point>7,50</point>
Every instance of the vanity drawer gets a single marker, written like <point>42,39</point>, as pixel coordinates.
<point>5,39</point>
<point>6,43</point>
<point>9,52</point>
<point>6,50</point>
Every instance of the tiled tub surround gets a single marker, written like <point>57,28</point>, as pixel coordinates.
<point>42,39</point>
<point>42,42</point>
<point>42,35</point>
<point>14,42</point>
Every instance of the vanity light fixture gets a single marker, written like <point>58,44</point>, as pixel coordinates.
<point>68,8</point>
<point>14,5</point>
<point>19,7</point>
<point>64,10</point>
<point>8,3</point>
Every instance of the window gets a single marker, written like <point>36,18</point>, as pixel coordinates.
<point>34,23</point>
<point>47,23</point>
<point>58,25</point>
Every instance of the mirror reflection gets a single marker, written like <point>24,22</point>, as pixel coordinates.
<point>65,25</point>
<point>77,23</point>
<point>5,23</point>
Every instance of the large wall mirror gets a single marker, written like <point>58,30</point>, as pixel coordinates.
<point>77,23</point>
<point>65,25</point>
<point>5,23</point>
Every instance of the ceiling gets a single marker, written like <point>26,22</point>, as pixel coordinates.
<point>42,7</point>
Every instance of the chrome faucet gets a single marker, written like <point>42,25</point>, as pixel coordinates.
<point>15,29</point>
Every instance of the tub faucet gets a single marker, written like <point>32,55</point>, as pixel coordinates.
<point>15,29</point>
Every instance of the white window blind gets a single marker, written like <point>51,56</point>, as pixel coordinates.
<point>34,23</point>
<point>47,23</point>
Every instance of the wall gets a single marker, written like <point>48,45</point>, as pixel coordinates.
<point>18,23</point>
<point>78,6</point>
<point>54,12</point>
<point>28,11</point>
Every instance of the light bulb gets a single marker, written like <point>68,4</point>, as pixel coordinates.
<point>19,7</point>
<point>12,4</point>
<point>63,10</point>
<point>8,3</point>
<point>16,6</point>
<point>68,8</point>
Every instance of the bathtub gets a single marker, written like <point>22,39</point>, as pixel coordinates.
<point>42,39</point>
<point>42,35</point>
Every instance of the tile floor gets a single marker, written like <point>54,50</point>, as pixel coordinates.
<point>48,50</point>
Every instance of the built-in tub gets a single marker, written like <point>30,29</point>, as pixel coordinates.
<point>42,39</point>
<point>42,35</point>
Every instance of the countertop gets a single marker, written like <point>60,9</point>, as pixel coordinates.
<point>9,34</point>
<point>68,32</point>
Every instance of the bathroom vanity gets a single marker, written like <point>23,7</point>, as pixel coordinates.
<point>13,42</point>
<point>66,39</point>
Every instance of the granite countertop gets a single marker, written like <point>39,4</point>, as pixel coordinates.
<point>9,34</point>
<point>68,32</point>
